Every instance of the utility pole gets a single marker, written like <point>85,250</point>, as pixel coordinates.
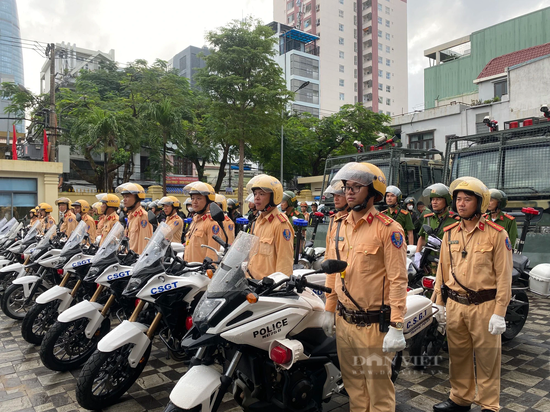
<point>53,122</point>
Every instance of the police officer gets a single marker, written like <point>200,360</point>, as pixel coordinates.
<point>83,207</point>
<point>303,208</point>
<point>203,226</point>
<point>403,217</point>
<point>233,209</point>
<point>228,224</point>
<point>508,222</point>
<point>313,219</point>
<point>68,218</point>
<point>252,212</point>
<point>33,214</point>
<point>441,217</point>
<point>272,227</point>
<point>415,216</point>
<point>288,206</point>
<point>189,207</point>
<point>333,246</point>
<point>138,227</point>
<point>368,333</point>
<point>109,206</point>
<point>474,279</point>
<point>47,220</point>
<point>97,208</point>
<point>170,206</point>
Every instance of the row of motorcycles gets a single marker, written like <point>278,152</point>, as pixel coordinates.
<point>101,308</point>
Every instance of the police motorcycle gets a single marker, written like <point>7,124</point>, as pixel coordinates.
<point>8,239</point>
<point>73,263</point>
<point>166,294</point>
<point>39,273</point>
<point>73,337</point>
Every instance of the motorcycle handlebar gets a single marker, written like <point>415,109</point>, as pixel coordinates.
<point>219,240</point>
<point>318,287</point>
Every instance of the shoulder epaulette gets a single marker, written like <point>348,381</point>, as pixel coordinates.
<point>509,216</point>
<point>384,219</point>
<point>446,229</point>
<point>340,217</point>
<point>282,218</point>
<point>429,214</point>
<point>227,217</point>
<point>457,218</point>
<point>494,225</point>
<point>405,212</point>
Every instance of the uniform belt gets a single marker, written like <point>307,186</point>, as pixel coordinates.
<point>475,298</point>
<point>359,317</point>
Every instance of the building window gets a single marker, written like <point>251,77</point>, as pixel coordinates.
<point>380,73</point>
<point>341,27</point>
<point>355,86</point>
<point>379,20</point>
<point>421,140</point>
<point>381,100</point>
<point>309,94</point>
<point>380,33</point>
<point>290,18</point>
<point>380,60</point>
<point>17,197</point>
<point>183,63</point>
<point>340,13</point>
<point>341,68</point>
<point>388,89</point>
<point>308,7</point>
<point>388,113</point>
<point>307,23</point>
<point>388,75</point>
<point>387,23</point>
<point>341,82</point>
<point>290,5</point>
<point>380,46</point>
<point>380,86</point>
<point>379,7</point>
<point>388,62</point>
<point>381,111</point>
<point>342,96</point>
<point>355,73</point>
<point>354,6</point>
<point>388,48</point>
<point>304,66</point>
<point>355,60</point>
<point>388,36</point>
<point>501,88</point>
<point>340,40</point>
<point>183,166</point>
<point>318,22</point>
<point>341,53</point>
<point>388,102</point>
<point>387,10</point>
<point>355,47</point>
<point>299,109</point>
<point>354,33</point>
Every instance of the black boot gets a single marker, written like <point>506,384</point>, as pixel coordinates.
<point>450,406</point>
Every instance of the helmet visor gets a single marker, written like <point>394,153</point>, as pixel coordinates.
<point>355,172</point>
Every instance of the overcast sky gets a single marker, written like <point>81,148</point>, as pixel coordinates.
<point>160,29</point>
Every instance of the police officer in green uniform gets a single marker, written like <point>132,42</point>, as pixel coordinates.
<point>495,213</point>
<point>289,205</point>
<point>403,217</point>
<point>441,217</point>
<point>415,215</point>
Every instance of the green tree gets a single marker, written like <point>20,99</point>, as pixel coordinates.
<point>245,85</point>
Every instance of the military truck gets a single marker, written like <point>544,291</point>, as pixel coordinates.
<point>517,161</point>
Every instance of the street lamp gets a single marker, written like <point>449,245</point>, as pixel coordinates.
<point>304,84</point>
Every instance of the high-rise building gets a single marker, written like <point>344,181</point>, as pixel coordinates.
<point>188,61</point>
<point>361,58</point>
<point>11,57</point>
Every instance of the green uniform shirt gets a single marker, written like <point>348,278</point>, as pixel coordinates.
<point>292,215</point>
<point>434,221</point>
<point>508,223</point>
<point>401,216</point>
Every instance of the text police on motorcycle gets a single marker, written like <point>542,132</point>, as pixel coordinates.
<point>474,279</point>
<point>138,227</point>
<point>367,331</point>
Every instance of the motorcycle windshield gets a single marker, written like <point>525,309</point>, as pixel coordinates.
<point>111,243</point>
<point>228,277</point>
<point>155,249</point>
<point>33,231</point>
<point>46,239</point>
<point>6,228</point>
<point>2,222</point>
<point>76,238</point>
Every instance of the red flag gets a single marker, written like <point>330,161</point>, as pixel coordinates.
<point>14,144</point>
<point>45,146</point>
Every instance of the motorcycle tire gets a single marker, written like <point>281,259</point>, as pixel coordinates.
<point>516,316</point>
<point>110,369</point>
<point>65,346</point>
<point>5,281</point>
<point>13,301</point>
<point>38,320</point>
<point>173,408</point>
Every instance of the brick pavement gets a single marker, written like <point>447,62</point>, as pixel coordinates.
<point>26,385</point>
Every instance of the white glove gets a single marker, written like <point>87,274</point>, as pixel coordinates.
<point>497,325</point>
<point>417,257</point>
<point>328,323</point>
<point>434,240</point>
<point>394,341</point>
<point>440,316</point>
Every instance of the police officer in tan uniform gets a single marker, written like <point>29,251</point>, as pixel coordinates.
<point>203,226</point>
<point>371,292</point>
<point>83,207</point>
<point>275,253</point>
<point>171,205</point>
<point>474,280</point>
<point>138,228</point>
<point>228,224</point>
<point>34,216</point>
<point>69,222</point>
<point>47,220</point>
<point>109,205</point>
<point>98,211</point>
<point>331,252</point>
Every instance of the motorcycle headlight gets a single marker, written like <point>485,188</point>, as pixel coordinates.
<point>133,285</point>
<point>204,312</point>
<point>61,261</point>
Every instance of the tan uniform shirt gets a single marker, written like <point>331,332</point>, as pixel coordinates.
<point>375,250</point>
<point>229,227</point>
<point>137,229</point>
<point>69,223</point>
<point>47,223</point>
<point>330,253</point>
<point>100,223</point>
<point>276,250</point>
<point>34,219</point>
<point>200,233</point>
<point>176,225</point>
<point>91,227</point>
<point>487,265</point>
<point>108,223</point>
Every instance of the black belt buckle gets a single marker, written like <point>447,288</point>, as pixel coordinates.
<point>462,299</point>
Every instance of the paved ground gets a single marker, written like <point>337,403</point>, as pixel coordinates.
<point>26,385</point>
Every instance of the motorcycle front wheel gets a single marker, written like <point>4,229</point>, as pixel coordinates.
<point>5,281</point>
<point>516,314</point>
<point>38,320</point>
<point>106,376</point>
<point>13,301</point>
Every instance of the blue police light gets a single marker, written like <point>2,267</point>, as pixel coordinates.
<point>317,198</point>
<point>188,220</point>
<point>299,222</point>
<point>242,221</point>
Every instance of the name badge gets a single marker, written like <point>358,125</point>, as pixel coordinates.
<point>453,242</point>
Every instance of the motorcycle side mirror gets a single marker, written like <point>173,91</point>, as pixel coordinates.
<point>152,217</point>
<point>333,266</point>
<point>428,229</point>
<point>78,217</point>
<point>217,213</point>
